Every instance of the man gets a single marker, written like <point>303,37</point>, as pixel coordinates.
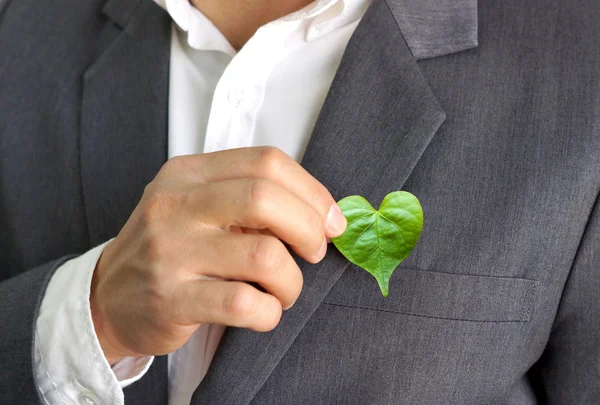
<point>158,160</point>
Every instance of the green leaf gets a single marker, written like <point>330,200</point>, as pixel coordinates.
<point>378,241</point>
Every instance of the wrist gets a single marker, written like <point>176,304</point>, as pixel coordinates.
<point>111,351</point>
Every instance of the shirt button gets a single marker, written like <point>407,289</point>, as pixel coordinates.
<point>86,400</point>
<point>235,97</point>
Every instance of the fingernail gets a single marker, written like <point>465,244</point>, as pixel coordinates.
<point>289,306</point>
<point>336,221</point>
<point>322,249</point>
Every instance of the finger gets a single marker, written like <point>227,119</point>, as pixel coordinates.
<point>273,164</point>
<point>230,303</point>
<point>257,232</point>
<point>263,204</point>
<point>255,258</point>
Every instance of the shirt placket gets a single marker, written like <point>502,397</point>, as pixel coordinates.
<point>240,92</point>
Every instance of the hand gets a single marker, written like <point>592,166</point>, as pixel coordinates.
<point>206,226</point>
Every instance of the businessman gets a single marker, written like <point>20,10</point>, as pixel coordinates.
<point>169,173</point>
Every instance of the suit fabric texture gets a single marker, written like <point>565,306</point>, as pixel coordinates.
<point>488,111</point>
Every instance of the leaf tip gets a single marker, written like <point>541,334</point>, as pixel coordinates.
<point>384,288</point>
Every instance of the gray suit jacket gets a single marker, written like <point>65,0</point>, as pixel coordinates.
<point>489,113</point>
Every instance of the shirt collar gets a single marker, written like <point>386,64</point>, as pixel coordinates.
<point>313,21</point>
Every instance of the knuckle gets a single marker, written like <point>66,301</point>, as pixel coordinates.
<point>149,189</point>
<point>154,251</point>
<point>156,296</point>
<point>242,302</point>
<point>153,207</point>
<point>180,165</point>
<point>266,255</point>
<point>160,204</point>
<point>271,159</point>
<point>155,302</point>
<point>258,193</point>
<point>175,164</point>
<point>156,247</point>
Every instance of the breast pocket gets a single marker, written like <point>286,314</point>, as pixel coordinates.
<point>441,295</point>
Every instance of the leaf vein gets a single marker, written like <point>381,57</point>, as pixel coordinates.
<point>379,248</point>
<point>406,213</point>
<point>363,231</point>
<point>356,219</point>
<point>390,221</point>
<point>387,253</point>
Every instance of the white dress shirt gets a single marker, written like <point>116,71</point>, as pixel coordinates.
<point>268,93</point>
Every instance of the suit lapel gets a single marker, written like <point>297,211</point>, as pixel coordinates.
<point>124,113</point>
<point>378,118</point>
<point>436,27</point>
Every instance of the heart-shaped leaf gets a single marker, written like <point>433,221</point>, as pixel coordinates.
<point>378,241</point>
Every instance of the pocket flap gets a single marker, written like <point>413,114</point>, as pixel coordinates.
<point>439,295</point>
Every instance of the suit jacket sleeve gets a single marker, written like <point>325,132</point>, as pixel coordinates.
<point>571,363</point>
<point>20,299</point>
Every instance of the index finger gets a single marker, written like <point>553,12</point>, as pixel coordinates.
<point>273,164</point>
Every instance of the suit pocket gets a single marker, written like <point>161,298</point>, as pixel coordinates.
<point>434,294</point>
